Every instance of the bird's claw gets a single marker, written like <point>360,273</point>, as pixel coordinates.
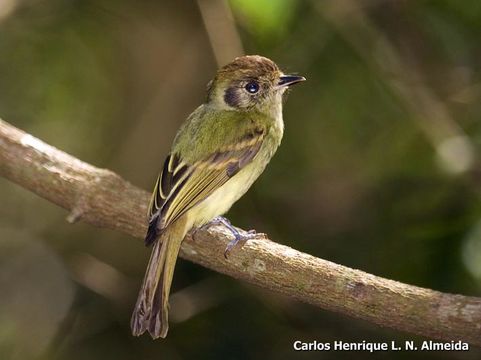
<point>241,239</point>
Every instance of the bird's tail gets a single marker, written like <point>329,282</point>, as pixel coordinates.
<point>152,308</point>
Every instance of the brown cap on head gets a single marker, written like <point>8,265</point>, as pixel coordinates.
<point>250,65</point>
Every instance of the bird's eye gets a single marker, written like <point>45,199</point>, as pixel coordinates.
<point>252,87</point>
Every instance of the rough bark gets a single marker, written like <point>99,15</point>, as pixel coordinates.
<point>102,198</point>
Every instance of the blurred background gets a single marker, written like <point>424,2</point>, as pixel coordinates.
<point>378,170</point>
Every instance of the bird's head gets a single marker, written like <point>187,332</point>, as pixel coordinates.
<point>250,83</point>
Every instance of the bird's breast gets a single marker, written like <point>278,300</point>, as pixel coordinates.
<point>221,200</point>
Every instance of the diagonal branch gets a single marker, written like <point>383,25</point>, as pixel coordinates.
<point>89,194</point>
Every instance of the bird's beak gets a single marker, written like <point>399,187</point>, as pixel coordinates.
<point>288,80</point>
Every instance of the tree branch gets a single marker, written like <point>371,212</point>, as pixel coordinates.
<point>102,198</point>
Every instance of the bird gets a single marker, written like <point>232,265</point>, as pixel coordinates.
<point>219,151</point>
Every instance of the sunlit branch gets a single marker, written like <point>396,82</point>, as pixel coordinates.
<point>102,198</point>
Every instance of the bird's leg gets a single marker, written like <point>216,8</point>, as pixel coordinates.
<point>239,238</point>
<point>218,220</point>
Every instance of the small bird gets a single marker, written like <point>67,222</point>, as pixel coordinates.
<point>217,154</point>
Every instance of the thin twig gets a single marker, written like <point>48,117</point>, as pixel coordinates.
<point>221,30</point>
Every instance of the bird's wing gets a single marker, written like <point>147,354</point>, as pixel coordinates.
<point>180,186</point>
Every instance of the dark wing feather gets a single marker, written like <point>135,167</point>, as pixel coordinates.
<point>173,173</point>
<point>179,187</point>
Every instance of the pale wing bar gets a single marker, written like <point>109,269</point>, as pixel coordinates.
<point>180,187</point>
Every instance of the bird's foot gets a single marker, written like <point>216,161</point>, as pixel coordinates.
<point>239,238</point>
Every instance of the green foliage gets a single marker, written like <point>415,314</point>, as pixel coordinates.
<point>266,20</point>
